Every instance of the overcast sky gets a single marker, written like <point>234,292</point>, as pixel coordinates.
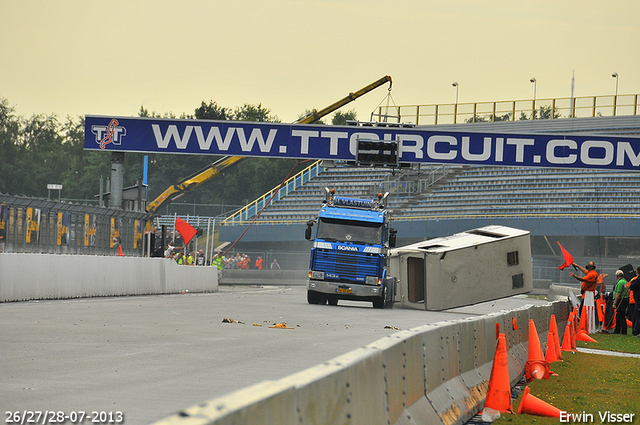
<point>83,57</point>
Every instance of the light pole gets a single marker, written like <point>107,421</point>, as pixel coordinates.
<point>455,108</point>
<point>615,99</point>
<point>535,86</point>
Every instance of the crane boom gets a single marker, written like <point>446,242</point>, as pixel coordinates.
<point>180,189</point>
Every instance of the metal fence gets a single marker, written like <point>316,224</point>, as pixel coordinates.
<point>53,227</point>
<point>513,110</point>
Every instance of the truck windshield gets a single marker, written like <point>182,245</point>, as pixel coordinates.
<point>330,229</point>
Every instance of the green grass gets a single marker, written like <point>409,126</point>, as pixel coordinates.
<point>590,383</point>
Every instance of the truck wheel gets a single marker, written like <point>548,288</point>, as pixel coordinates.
<point>378,302</point>
<point>314,297</point>
<point>332,299</point>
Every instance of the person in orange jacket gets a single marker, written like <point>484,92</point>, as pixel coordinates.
<point>634,286</point>
<point>259,263</point>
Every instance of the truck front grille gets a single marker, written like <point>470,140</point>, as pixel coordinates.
<point>347,265</point>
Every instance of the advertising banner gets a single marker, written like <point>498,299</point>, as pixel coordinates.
<point>33,225</point>
<point>89,230</point>
<point>63,237</point>
<point>137,237</point>
<point>4,218</point>
<point>116,224</point>
<point>308,141</point>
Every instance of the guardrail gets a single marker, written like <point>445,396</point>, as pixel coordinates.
<point>511,110</point>
<point>276,193</point>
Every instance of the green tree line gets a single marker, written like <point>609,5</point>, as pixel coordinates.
<point>42,149</point>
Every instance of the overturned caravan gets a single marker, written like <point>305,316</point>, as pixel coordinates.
<point>466,268</point>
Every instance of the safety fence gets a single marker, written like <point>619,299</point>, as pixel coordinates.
<point>36,225</point>
<point>512,110</point>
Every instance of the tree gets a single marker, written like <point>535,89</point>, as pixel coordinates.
<point>9,127</point>
<point>341,118</point>
<point>212,111</point>
<point>542,113</point>
<point>254,113</point>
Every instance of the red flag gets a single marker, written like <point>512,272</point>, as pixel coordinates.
<point>568,259</point>
<point>186,231</point>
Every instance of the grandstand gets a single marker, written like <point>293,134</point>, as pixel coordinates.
<point>471,192</point>
<point>449,191</point>
<point>594,213</point>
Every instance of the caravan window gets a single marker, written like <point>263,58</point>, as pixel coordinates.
<point>512,258</point>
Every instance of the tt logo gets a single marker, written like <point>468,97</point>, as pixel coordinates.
<point>112,133</point>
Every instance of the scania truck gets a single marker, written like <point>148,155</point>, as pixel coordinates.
<point>349,258</point>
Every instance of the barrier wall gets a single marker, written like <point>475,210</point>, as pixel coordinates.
<point>264,277</point>
<point>49,276</point>
<point>435,374</point>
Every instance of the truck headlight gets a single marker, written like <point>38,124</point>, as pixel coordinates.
<point>317,275</point>
<point>372,280</point>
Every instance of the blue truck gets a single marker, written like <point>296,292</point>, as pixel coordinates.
<point>349,258</point>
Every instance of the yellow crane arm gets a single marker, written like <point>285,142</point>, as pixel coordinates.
<point>316,115</point>
<point>177,190</point>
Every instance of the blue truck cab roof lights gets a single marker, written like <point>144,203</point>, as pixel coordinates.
<point>364,204</point>
<point>341,201</point>
<point>352,214</point>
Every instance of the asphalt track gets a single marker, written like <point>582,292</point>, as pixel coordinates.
<point>151,356</point>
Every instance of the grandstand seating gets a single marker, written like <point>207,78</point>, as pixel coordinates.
<point>476,191</point>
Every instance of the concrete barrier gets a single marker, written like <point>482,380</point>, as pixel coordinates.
<point>437,374</point>
<point>264,277</point>
<point>49,276</point>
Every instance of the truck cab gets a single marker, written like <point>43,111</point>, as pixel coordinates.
<point>349,257</point>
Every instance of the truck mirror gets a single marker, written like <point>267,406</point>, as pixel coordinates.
<point>392,237</point>
<point>307,231</point>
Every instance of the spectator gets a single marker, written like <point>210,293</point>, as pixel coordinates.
<point>189,259</point>
<point>259,263</point>
<point>245,262</point>
<point>200,259</point>
<point>169,253</point>
<point>275,265</point>
<point>218,262</point>
<point>179,258</point>
<point>634,287</point>
<point>620,303</point>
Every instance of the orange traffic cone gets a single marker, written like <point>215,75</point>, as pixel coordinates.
<point>566,341</point>
<point>574,331</point>
<point>551,355</point>
<point>583,336</point>
<point>532,405</point>
<point>536,367</point>
<point>600,308</point>
<point>499,391</point>
<point>584,323</point>
<point>120,250</point>
<point>553,327</point>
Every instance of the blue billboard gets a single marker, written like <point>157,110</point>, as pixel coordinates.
<point>308,141</point>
